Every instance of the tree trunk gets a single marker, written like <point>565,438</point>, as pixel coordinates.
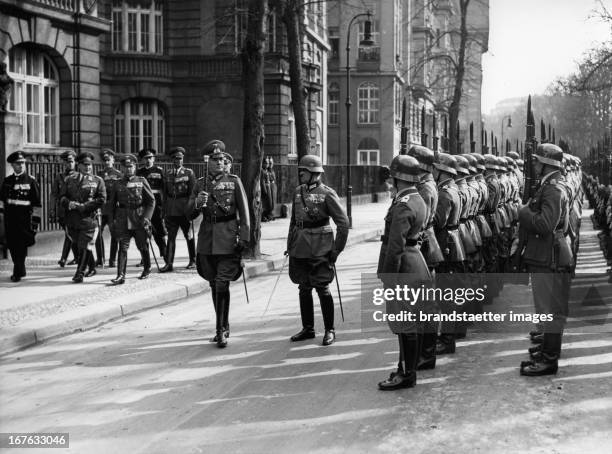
<point>253,126</point>
<point>455,107</point>
<point>293,19</point>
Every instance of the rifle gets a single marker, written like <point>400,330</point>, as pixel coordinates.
<point>404,131</point>
<point>531,142</point>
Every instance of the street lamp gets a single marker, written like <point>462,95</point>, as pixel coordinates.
<point>509,125</point>
<point>365,42</point>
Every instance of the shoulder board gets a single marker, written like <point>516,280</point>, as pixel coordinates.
<point>201,179</point>
<point>231,175</point>
<point>405,198</point>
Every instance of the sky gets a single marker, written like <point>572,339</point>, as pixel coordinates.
<point>532,42</point>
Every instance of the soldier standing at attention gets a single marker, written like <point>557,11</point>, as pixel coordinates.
<point>430,249</point>
<point>401,263</point>
<point>155,177</point>
<point>548,256</point>
<point>20,208</point>
<point>311,246</point>
<point>179,183</point>
<point>83,194</point>
<point>446,226</point>
<point>57,212</point>
<point>224,232</point>
<point>133,204</point>
<point>110,175</point>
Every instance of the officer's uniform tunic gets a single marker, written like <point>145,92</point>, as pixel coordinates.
<point>155,178</point>
<point>225,221</point>
<point>311,237</point>
<point>110,175</point>
<point>90,193</point>
<point>430,248</point>
<point>133,202</point>
<point>544,219</point>
<point>400,261</point>
<point>20,202</point>
<point>179,185</point>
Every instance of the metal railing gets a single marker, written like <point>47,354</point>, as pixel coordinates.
<point>364,179</point>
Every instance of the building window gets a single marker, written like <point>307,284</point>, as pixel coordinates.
<point>368,153</point>
<point>334,104</point>
<point>370,53</point>
<point>231,20</point>
<point>137,26</point>
<point>334,43</point>
<point>35,95</point>
<point>291,137</point>
<point>368,103</point>
<point>139,124</point>
<point>272,32</point>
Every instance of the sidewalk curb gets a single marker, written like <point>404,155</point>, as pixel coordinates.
<point>90,317</point>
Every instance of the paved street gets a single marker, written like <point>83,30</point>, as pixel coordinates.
<point>152,383</point>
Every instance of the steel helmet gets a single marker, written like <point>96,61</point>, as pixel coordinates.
<point>406,168</point>
<point>311,163</point>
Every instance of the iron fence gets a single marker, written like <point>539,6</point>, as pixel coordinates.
<point>364,179</point>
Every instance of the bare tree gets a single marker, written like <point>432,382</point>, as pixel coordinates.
<point>253,126</point>
<point>292,16</point>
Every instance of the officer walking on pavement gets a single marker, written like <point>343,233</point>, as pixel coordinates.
<point>110,175</point>
<point>401,264</point>
<point>179,183</point>
<point>82,196</point>
<point>133,204</point>
<point>57,212</point>
<point>224,232</point>
<point>155,177</point>
<point>548,256</point>
<point>20,207</point>
<point>311,245</point>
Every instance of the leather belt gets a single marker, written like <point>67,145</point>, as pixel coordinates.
<point>451,227</point>
<point>217,219</point>
<point>121,205</point>
<point>311,224</point>
<point>409,241</point>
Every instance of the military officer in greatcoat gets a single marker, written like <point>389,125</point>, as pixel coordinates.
<point>430,248</point>
<point>446,226</point>
<point>155,177</point>
<point>20,207</point>
<point>548,256</point>
<point>133,204</point>
<point>224,232</point>
<point>311,246</point>
<point>401,263</point>
<point>110,175</point>
<point>57,212</point>
<point>179,183</point>
<point>82,196</point>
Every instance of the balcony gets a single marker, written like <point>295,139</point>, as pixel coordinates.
<point>137,66</point>
<point>88,7</point>
<point>221,67</point>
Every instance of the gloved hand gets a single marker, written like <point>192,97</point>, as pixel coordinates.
<point>241,246</point>
<point>332,256</point>
<point>201,200</point>
<point>146,223</point>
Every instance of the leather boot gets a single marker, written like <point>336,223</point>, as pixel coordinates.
<point>169,258</point>
<point>81,266</point>
<point>113,251</point>
<point>327,309</point>
<point>146,263</point>
<point>226,314</point>
<point>445,344</point>
<point>220,334</point>
<point>191,248</point>
<point>329,337</point>
<point>121,266</point>
<point>100,249</point>
<point>307,314</point>
<point>65,252</point>
<point>91,265</point>
<point>405,377</point>
<point>162,247</point>
<point>427,356</point>
<point>544,362</point>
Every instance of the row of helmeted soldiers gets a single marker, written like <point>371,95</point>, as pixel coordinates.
<point>600,199</point>
<point>460,216</point>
